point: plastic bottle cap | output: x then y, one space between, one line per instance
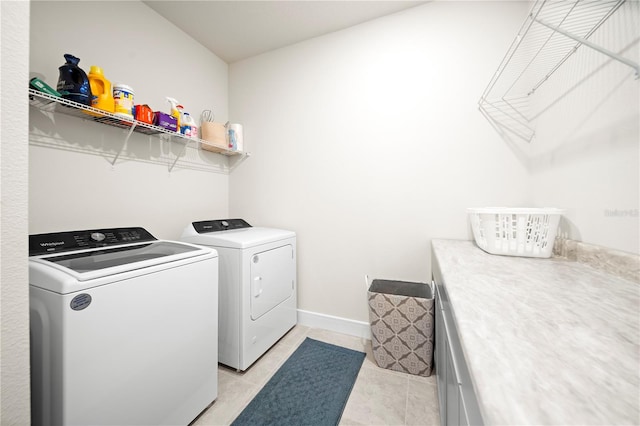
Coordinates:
120 86
95 70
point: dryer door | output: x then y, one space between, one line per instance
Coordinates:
272 279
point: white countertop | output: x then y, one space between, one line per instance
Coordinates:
547 341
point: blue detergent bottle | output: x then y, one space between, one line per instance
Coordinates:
73 83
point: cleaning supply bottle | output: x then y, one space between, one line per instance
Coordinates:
191 128
123 100
102 95
175 111
73 83
194 128
185 128
181 126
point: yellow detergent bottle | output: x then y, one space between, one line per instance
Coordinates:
100 90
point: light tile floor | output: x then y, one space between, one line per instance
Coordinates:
379 396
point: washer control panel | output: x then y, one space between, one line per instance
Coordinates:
206 226
56 242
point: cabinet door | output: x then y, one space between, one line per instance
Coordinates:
440 358
457 400
453 391
463 418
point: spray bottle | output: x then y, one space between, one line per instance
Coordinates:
175 111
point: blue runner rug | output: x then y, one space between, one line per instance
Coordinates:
311 388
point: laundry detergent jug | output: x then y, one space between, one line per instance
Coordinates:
102 95
73 83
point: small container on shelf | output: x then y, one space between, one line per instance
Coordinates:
101 92
123 97
40 85
144 114
216 136
73 83
189 127
165 121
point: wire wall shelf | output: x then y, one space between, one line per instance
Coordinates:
54 104
552 32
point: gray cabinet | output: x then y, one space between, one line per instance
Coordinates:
457 400
452 401
463 418
440 358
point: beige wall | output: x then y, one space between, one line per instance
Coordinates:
14 305
368 143
72 182
586 155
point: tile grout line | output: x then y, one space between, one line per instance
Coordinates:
406 402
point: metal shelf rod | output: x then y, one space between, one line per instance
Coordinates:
184 147
126 139
593 46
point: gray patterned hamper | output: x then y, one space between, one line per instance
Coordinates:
401 317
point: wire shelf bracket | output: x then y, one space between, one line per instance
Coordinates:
552 32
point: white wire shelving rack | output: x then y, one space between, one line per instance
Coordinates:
552 32
54 104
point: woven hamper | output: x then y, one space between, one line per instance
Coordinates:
401 317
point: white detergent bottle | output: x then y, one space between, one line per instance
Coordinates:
191 122
192 131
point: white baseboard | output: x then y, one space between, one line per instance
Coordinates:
337 324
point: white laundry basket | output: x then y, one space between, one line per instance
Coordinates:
527 232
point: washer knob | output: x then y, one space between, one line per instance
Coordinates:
97 236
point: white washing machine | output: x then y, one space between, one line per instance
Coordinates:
123 328
257 282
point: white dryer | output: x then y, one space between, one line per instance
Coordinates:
257 284
123 328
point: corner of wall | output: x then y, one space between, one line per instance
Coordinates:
14 355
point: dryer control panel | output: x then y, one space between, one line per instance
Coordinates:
206 226
56 242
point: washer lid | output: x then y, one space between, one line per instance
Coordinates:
90 264
236 238
88 261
